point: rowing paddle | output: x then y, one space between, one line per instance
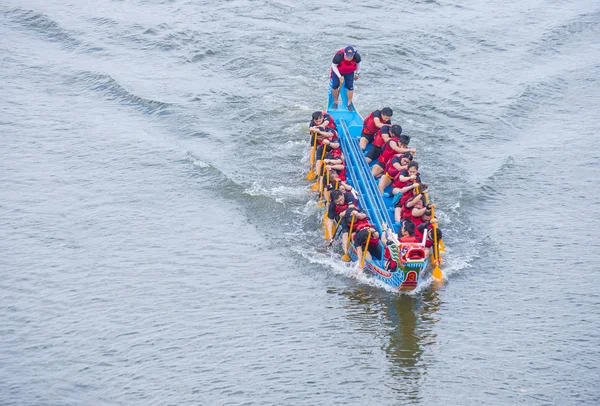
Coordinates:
313 153
335 232
437 272
325 218
364 254
346 257
322 191
320 178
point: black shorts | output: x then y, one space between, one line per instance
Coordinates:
369 137
335 219
374 152
320 151
360 239
380 164
345 226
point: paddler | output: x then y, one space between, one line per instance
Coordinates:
426 226
339 203
396 144
337 169
346 64
393 167
373 123
422 215
407 232
321 119
429 241
334 163
347 220
405 184
416 202
385 133
327 138
363 226
407 176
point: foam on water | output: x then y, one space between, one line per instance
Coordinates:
292 145
280 194
200 164
331 260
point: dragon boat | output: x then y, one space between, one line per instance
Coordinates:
407 262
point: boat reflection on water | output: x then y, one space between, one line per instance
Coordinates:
406 324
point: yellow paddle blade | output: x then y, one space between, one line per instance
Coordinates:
321 203
437 273
437 284
311 175
364 253
327 236
442 247
315 186
346 258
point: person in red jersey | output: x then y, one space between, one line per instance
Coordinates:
339 204
346 64
407 232
333 154
360 218
338 184
420 215
405 210
337 168
327 138
404 195
385 133
395 145
325 134
426 226
393 167
373 123
336 165
363 226
404 184
406 177
321 119
430 239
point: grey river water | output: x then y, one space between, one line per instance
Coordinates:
159 244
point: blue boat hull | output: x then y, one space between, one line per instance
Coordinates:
379 209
